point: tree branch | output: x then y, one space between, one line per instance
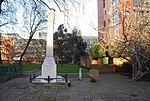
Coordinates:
1 1
135 53
58 6
3 24
47 5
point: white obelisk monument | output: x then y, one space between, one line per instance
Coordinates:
49 66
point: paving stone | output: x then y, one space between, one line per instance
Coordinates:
62 97
76 99
88 99
111 87
108 99
95 99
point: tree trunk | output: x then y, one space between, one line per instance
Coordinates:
0 57
72 59
23 53
1 1
57 59
139 68
0 48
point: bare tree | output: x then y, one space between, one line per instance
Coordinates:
34 20
1 1
136 39
139 47
0 48
8 14
7 17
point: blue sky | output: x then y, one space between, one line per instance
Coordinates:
83 16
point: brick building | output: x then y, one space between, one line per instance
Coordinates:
105 20
123 17
35 51
111 17
12 45
7 46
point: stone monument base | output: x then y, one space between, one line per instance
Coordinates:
49 68
40 81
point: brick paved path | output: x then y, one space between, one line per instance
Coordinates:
112 87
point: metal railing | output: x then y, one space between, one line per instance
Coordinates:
48 79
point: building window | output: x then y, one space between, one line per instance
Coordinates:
108 21
127 13
104 23
103 3
105 12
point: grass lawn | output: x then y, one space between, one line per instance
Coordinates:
60 69
70 69
31 67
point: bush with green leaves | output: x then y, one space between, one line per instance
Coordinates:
97 51
100 50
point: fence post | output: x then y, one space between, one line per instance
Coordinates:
48 79
30 79
34 76
66 78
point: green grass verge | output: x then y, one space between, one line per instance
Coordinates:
31 67
70 69
60 69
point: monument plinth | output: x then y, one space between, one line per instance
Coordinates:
49 66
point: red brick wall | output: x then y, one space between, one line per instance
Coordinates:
105 68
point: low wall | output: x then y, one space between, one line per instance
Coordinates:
105 68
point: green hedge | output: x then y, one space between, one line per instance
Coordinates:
9 71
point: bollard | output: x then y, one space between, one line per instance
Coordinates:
48 79
80 74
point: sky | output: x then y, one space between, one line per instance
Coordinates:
83 16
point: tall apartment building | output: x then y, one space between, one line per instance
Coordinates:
142 15
35 51
105 20
141 8
12 45
7 46
111 17
123 17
